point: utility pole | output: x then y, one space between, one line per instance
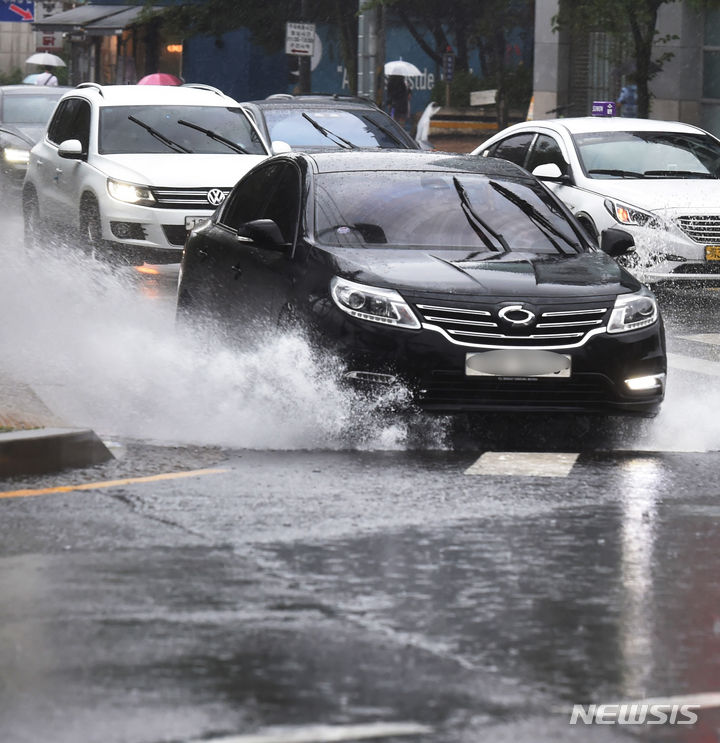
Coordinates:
367 51
304 70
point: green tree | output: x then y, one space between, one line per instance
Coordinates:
633 19
463 25
266 22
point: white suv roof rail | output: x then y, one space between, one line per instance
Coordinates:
97 87
202 86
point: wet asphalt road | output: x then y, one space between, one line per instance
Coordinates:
473 590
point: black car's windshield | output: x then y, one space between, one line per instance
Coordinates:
443 211
648 155
119 135
28 109
364 128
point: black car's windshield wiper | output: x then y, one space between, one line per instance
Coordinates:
543 223
330 135
385 131
214 135
676 174
481 228
161 137
615 171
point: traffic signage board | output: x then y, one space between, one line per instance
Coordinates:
603 108
300 39
448 66
17 10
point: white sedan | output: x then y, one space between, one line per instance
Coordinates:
656 179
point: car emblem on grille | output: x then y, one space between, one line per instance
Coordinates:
516 314
216 196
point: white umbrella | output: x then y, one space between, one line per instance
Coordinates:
401 67
45 59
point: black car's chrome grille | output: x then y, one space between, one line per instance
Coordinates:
186 198
703 229
447 389
484 327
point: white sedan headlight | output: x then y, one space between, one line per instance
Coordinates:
16 155
630 215
372 303
130 193
632 312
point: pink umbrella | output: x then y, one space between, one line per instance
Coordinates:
160 78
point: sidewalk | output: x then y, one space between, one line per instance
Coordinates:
34 440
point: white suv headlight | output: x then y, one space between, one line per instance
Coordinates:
130 193
372 303
630 215
633 311
16 156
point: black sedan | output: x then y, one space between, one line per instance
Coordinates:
464 279
24 113
322 122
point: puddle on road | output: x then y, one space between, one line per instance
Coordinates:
102 350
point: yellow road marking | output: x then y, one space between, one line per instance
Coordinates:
110 483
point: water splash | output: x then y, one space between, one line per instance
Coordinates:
104 354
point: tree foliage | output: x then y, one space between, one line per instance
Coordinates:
266 21
635 20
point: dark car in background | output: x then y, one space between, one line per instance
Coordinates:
24 113
321 122
465 279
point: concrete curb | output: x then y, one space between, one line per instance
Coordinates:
42 450
38 441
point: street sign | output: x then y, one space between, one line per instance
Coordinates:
17 10
300 39
603 108
448 66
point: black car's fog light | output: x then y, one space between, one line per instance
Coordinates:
372 303
646 383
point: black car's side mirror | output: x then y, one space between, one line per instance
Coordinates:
265 233
616 242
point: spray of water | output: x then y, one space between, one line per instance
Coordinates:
104 354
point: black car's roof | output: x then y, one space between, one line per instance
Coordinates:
352 161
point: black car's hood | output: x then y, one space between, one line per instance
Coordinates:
465 273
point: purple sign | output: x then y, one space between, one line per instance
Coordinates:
603 108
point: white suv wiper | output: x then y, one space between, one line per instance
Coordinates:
214 135
617 172
161 137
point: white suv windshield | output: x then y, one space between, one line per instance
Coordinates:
648 155
157 129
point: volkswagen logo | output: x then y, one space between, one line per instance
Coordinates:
516 314
216 196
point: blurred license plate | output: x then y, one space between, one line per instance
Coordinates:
712 252
517 363
190 222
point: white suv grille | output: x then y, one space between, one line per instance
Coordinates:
186 198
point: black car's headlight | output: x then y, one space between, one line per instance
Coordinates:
16 155
372 303
633 311
630 215
130 193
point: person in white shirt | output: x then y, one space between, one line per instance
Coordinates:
46 78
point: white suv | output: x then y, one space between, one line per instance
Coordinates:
127 170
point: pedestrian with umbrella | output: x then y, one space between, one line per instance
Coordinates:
398 90
48 62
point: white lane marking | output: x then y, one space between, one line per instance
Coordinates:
712 339
688 363
523 464
325 733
